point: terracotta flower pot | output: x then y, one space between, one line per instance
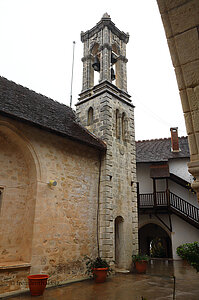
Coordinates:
100 274
141 266
37 284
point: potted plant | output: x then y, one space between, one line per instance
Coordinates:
97 268
190 253
37 284
140 262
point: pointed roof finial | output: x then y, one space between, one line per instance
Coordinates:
106 16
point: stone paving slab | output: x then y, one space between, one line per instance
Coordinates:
157 284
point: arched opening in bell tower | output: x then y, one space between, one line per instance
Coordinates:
95 76
114 64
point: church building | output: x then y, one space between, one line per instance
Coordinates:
68 179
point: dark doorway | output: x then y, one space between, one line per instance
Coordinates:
155 241
119 243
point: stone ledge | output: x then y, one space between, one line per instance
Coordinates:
14 265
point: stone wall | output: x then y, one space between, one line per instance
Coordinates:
118 176
60 221
181 23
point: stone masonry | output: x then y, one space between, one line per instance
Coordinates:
113 122
45 229
181 23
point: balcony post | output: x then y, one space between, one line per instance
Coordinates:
154 193
167 193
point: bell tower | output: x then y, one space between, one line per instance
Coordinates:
105 108
104 52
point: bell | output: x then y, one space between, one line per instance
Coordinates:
113 58
112 74
96 64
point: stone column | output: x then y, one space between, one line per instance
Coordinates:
105 57
88 76
181 23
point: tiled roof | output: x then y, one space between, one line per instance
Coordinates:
26 105
159 150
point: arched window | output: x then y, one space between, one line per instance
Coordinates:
124 126
90 116
117 124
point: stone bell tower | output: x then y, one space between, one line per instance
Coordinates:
106 110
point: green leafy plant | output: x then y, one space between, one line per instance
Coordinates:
190 253
96 263
140 257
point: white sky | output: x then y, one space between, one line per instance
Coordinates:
36 42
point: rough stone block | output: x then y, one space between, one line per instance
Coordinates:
191 73
184 100
195 120
173 51
193 98
192 144
180 78
187 46
165 5
167 25
184 17
188 122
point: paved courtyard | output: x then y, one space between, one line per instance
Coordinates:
156 284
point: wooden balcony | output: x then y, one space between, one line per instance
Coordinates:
168 202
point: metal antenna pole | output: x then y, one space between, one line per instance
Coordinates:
71 88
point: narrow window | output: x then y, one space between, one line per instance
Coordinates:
117 124
124 126
90 116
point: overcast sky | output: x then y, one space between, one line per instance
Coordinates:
36 43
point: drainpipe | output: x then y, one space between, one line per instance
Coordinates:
98 202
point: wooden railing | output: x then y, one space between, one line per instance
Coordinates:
148 200
184 207
172 201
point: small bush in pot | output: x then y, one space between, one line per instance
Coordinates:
140 261
97 268
190 253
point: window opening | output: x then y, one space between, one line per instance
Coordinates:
117 125
90 116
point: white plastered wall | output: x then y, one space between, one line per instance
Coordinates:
182 232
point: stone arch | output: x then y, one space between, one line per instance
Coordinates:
119 241
154 240
20 172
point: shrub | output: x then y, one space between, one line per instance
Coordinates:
140 257
190 252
